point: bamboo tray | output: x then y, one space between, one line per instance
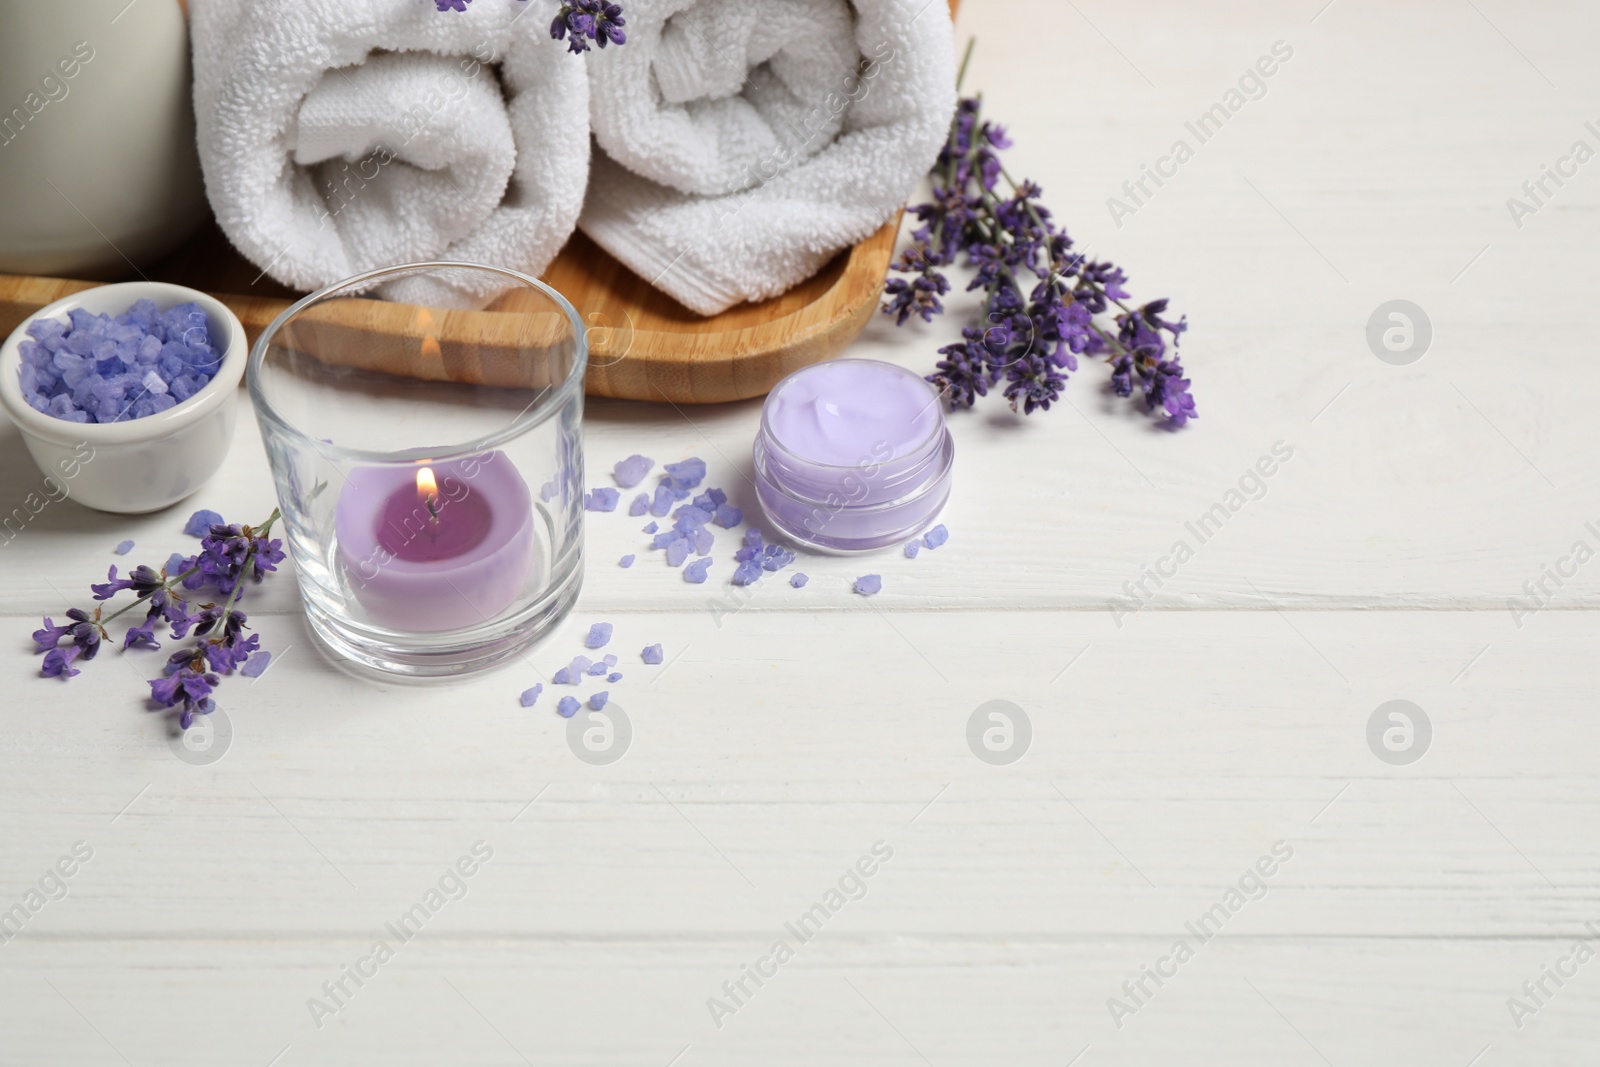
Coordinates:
643 345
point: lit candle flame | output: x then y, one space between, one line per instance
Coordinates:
428 491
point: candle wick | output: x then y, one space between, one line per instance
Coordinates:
432 503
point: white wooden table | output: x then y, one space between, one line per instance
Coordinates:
1170 749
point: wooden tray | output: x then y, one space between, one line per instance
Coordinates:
643 344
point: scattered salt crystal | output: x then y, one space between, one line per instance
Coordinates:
530 695
563 676
696 571
567 707
687 474
703 541
727 516
935 537
599 635
258 662
609 659
651 654
747 572
912 548
631 471
869 584
677 552
711 500
651 527
601 499
640 505
598 700
597 669
662 502
626 561
123 548
200 523
614 677
798 580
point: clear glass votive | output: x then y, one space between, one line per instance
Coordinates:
428 460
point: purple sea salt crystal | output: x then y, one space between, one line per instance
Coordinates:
798 580
747 572
696 571
530 696
689 517
776 557
651 527
640 505
599 635
601 499
200 523
912 548
678 551
687 474
935 537
869 584
631 471
609 659
651 654
98 369
662 502
666 538
597 670
257 664
563 676
727 516
626 561
567 707
597 701
703 541
123 548
614 677
711 500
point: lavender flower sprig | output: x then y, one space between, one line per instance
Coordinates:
579 22
229 558
1006 237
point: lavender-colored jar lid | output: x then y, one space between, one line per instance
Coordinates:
853 455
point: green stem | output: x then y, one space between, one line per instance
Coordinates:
961 76
263 530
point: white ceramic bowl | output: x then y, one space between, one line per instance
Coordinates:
142 464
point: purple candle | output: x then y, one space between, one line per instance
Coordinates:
853 455
436 547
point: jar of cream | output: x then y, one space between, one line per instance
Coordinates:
853 455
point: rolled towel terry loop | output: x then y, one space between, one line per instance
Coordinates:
341 137
711 245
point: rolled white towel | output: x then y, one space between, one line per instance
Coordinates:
341 137
745 142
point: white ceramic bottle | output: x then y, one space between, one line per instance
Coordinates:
98 169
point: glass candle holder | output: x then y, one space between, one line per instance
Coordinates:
853 455
428 458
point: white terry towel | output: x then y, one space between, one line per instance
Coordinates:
345 136
745 142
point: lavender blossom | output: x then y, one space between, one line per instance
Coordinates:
229 558
1041 299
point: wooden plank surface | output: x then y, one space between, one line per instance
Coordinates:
790 730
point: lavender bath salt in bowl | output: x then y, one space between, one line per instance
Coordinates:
176 421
